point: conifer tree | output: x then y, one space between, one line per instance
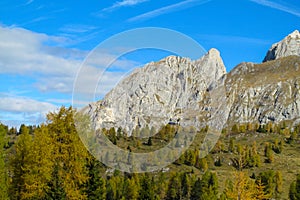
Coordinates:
69 154
38 172
241 189
19 160
3 167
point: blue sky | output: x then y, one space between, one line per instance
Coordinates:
43 43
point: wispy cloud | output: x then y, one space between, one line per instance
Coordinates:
123 3
168 9
77 28
278 6
29 2
233 39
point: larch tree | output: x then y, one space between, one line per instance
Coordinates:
242 188
38 173
69 155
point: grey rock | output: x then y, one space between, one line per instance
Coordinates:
290 45
199 93
168 91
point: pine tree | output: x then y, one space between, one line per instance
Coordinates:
3 168
294 192
174 190
19 160
209 186
186 186
96 185
147 188
131 189
196 192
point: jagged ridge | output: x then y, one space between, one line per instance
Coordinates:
200 92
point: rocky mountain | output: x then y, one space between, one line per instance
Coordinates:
267 92
168 91
198 93
287 47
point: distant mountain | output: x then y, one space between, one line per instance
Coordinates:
198 93
287 47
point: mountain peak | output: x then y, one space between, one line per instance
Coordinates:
295 34
290 45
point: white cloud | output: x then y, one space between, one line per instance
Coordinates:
23 104
168 9
43 58
123 3
16 110
277 6
50 67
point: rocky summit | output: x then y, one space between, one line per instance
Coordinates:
199 92
287 47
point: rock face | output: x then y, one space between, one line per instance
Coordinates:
199 93
168 91
261 93
289 46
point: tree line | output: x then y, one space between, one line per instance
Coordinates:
49 161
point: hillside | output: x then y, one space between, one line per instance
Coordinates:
201 93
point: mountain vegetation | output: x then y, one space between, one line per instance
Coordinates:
250 161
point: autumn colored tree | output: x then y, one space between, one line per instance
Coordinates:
3 167
38 172
242 187
69 155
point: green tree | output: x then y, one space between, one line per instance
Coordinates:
269 153
96 185
267 178
186 185
202 164
196 192
278 183
231 145
131 189
19 160
294 192
174 190
147 188
3 167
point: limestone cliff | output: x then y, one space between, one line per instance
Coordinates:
289 46
168 91
199 93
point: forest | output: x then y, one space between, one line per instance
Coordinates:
249 161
